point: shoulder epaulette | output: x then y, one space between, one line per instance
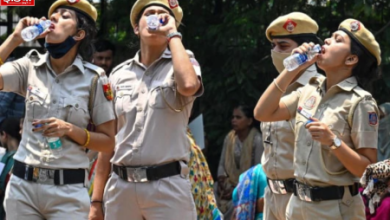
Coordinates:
121 65
96 69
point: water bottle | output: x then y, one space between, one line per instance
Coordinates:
153 22
55 145
292 62
31 32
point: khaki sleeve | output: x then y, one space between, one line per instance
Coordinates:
364 131
291 102
103 109
198 72
15 75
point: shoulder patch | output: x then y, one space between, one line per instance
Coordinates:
373 118
103 77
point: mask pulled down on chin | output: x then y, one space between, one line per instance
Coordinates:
277 59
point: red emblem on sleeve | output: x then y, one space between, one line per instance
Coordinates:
108 92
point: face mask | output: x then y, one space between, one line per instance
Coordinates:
59 50
277 59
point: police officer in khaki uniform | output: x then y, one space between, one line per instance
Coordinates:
336 124
285 33
154 93
63 93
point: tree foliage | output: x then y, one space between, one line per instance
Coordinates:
228 39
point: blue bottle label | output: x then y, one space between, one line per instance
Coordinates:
302 58
55 145
40 28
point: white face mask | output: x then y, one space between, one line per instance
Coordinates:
277 59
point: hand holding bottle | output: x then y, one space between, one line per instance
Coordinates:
27 22
302 57
163 24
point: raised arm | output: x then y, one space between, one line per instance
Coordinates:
15 39
269 107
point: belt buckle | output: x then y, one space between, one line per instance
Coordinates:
277 186
304 192
43 176
137 175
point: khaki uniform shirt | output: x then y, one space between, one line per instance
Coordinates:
149 131
64 96
277 159
315 164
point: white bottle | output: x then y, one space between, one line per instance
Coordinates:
153 22
31 32
55 145
292 62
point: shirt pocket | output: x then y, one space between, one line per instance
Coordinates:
76 111
337 125
36 107
123 101
163 96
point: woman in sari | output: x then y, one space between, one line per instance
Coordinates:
202 184
248 196
242 149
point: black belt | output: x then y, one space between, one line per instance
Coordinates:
281 186
146 174
48 176
316 194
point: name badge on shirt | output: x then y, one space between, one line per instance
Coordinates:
37 92
304 113
123 87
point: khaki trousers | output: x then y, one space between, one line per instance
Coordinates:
26 200
348 208
275 205
165 199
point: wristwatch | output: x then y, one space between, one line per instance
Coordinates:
336 143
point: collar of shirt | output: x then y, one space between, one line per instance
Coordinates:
346 85
44 59
165 55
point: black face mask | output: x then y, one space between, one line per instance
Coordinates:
59 50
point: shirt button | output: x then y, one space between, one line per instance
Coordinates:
143 91
139 128
139 108
308 143
31 98
57 81
77 105
54 101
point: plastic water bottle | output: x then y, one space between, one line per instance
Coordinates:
31 32
153 22
292 62
55 145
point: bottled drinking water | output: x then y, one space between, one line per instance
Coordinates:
153 22
292 62
55 145
31 32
